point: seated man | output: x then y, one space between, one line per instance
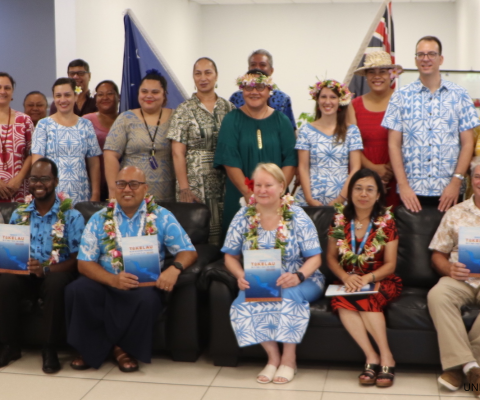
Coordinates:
459 349
103 312
50 271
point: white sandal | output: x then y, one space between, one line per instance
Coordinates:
285 372
268 372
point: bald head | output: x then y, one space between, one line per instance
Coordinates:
130 198
130 173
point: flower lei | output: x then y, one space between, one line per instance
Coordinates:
286 215
253 79
58 228
110 227
342 89
345 249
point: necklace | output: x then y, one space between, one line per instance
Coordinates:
358 224
259 131
281 235
114 236
4 149
153 161
59 242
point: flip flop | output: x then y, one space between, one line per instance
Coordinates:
285 372
268 372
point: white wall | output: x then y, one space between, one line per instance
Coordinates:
173 25
309 40
306 40
468 17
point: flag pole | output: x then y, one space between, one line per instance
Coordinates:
366 41
156 52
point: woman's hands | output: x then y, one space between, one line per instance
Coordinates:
355 282
187 196
243 283
314 203
287 280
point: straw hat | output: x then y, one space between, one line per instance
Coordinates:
378 59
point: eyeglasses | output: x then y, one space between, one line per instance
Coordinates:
359 190
71 74
259 86
134 185
431 55
43 179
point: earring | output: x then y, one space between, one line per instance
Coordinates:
216 85
195 87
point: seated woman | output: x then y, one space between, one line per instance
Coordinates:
270 221
362 248
329 150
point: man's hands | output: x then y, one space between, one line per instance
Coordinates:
409 198
450 194
35 268
125 281
168 279
459 271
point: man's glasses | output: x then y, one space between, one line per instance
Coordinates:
431 55
71 74
259 86
134 185
43 179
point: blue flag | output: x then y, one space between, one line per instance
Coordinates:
139 56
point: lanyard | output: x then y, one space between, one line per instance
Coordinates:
354 238
148 130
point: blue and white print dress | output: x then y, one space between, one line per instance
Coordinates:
281 321
68 146
329 161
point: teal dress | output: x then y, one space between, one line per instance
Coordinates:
237 146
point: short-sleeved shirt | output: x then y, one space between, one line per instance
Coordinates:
41 240
68 146
329 161
170 235
279 101
431 125
302 241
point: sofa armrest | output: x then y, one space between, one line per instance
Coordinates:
217 272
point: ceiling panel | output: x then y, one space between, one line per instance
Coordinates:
231 2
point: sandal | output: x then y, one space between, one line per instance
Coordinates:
79 364
268 372
123 359
386 373
285 372
371 371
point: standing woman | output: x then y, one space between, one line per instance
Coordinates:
194 133
69 140
35 105
369 109
252 134
16 131
139 137
362 248
106 100
327 148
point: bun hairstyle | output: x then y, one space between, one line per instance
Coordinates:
65 81
155 75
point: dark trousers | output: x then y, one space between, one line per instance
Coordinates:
51 289
100 317
434 200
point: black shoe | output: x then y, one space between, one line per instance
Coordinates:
50 361
8 354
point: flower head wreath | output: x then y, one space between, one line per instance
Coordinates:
342 89
253 79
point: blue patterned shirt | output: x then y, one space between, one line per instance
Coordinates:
431 125
278 100
302 241
170 235
41 231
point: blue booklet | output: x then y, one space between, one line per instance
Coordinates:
262 269
469 249
141 258
340 290
14 249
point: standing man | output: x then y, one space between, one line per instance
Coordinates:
80 71
431 139
262 60
51 270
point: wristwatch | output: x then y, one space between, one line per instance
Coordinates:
300 276
459 176
178 266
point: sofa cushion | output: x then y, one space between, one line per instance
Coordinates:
409 310
7 210
415 232
194 217
321 314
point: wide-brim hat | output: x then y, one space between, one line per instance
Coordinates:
378 59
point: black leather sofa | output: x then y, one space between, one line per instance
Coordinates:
178 330
410 330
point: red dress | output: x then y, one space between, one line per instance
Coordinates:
390 286
375 143
17 139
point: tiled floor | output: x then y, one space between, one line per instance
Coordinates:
165 379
